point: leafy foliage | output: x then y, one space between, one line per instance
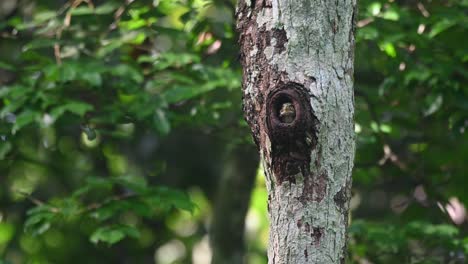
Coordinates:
411 121
414 242
137 197
95 87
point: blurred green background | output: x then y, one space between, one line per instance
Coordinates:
119 121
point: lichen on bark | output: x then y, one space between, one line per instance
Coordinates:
309 45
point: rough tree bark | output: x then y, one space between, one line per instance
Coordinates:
297 59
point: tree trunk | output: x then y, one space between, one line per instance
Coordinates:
297 59
231 205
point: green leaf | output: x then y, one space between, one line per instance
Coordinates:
178 199
374 8
68 72
93 183
440 27
391 14
106 8
161 122
111 208
113 234
103 9
5 148
367 33
93 78
389 49
77 108
181 93
108 46
441 230
39 219
435 103
25 118
127 71
135 183
168 59
40 43
44 16
82 10
6 66
7 231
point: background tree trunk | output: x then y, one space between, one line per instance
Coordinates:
231 205
298 100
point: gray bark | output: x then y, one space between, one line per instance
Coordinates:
299 55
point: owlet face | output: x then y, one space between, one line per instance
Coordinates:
287 113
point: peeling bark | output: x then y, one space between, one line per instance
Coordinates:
297 59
